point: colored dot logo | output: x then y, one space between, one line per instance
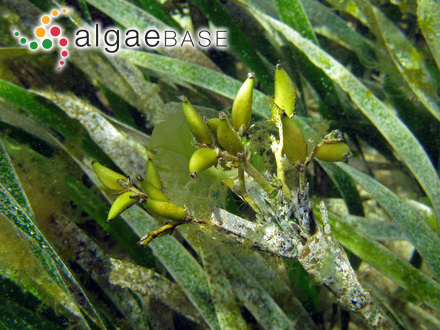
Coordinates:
48 35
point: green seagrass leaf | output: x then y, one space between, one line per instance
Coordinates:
424 239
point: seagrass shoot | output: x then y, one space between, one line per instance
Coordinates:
285 223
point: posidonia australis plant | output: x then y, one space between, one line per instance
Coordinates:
285 223
223 188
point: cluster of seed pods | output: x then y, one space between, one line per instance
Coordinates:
215 138
229 135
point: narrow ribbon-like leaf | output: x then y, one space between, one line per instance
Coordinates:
425 240
269 316
217 13
378 229
196 75
428 16
346 188
131 16
293 14
185 270
15 207
52 116
390 265
27 308
8 52
326 22
405 57
228 311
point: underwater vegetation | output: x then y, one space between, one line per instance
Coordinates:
288 180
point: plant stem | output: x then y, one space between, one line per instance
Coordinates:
243 191
278 152
253 172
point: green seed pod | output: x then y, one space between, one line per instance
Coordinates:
213 126
108 177
165 209
295 147
333 152
121 203
227 137
285 94
201 160
152 191
242 106
153 176
196 124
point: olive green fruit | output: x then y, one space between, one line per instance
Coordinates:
295 147
242 106
201 160
123 202
227 137
108 177
285 94
167 210
152 191
333 152
153 176
196 124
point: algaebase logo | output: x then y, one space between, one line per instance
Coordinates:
48 36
